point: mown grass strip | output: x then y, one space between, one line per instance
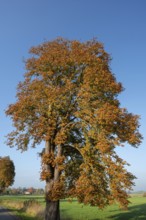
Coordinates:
76 211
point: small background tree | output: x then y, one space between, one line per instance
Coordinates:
69 101
7 173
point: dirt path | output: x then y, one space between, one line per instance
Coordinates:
7 215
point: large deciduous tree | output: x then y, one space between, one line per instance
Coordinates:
7 173
68 100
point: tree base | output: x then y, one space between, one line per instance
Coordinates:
52 211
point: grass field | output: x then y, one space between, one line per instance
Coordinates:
75 211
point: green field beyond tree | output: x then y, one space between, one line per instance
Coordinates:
76 211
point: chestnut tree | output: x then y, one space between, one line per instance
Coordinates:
69 101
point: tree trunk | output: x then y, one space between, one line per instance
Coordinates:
52 211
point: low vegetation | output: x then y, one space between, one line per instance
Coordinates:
32 208
144 194
28 208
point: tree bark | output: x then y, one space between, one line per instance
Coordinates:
52 210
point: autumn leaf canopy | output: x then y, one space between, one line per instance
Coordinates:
69 98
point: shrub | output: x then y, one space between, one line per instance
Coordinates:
144 195
33 207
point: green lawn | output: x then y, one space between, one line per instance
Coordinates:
75 211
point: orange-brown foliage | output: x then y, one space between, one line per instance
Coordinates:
68 99
7 172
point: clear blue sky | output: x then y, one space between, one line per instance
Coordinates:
119 24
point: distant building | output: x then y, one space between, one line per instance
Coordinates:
27 193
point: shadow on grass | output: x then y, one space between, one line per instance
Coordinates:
64 215
137 212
